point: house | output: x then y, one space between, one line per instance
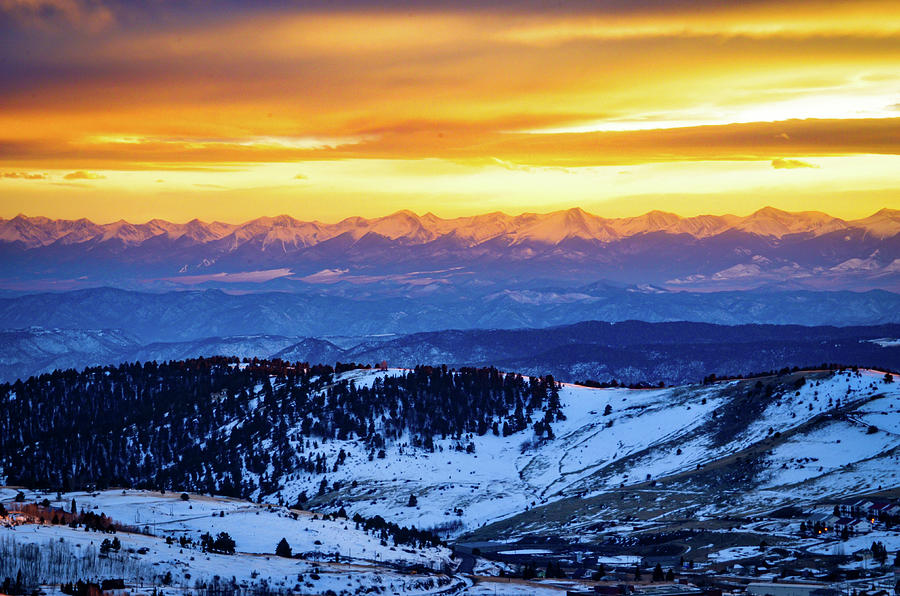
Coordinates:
764 589
827 520
843 523
853 525
861 506
582 573
668 590
879 510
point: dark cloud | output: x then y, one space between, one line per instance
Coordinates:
87 15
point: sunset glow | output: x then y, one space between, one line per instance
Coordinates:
327 110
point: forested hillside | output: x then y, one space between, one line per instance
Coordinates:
450 450
200 424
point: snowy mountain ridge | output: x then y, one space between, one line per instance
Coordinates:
283 231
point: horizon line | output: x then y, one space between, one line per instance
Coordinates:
406 211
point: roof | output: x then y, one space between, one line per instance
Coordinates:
768 584
822 516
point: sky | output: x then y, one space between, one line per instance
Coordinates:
323 110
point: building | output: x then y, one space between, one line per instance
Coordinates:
762 589
827 520
853 525
861 507
878 510
479 548
668 590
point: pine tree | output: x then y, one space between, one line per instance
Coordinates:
283 549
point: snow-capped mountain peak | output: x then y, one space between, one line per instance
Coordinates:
547 228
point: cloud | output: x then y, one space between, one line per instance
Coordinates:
83 175
487 143
781 163
91 16
508 165
24 175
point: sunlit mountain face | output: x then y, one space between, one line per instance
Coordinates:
229 111
485 254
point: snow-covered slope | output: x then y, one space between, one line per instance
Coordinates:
701 451
330 556
334 554
784 424
256 528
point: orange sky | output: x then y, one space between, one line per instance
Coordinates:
324 110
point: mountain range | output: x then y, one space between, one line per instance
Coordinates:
285 233
428 253
627 352
190 315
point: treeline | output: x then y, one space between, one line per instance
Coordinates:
713 378
829 366
88 520
410 536
217 425
26 566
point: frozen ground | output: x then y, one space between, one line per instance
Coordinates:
365 564
690 453
256 528
188 566
818 432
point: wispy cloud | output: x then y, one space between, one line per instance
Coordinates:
91 16
83 175
24 175
781 163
